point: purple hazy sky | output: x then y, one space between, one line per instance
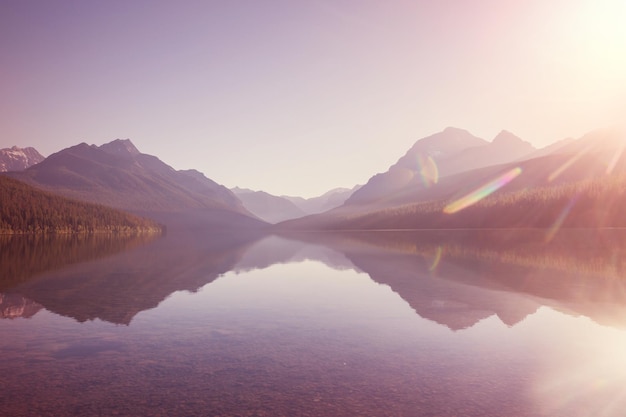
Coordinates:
298 97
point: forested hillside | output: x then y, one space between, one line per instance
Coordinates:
25 210
597 202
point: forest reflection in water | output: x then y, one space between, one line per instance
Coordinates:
365 323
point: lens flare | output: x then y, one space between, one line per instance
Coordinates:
428 170
482 192
556 226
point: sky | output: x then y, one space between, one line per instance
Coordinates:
299 97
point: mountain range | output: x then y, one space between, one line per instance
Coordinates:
449 179
580 183
118 175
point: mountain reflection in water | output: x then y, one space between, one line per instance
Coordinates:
127 275
472 323
579 272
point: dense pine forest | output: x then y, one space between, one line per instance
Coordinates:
26 210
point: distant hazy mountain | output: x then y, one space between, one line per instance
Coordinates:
268 207
118 175
275 209
327 201
18 159
440 155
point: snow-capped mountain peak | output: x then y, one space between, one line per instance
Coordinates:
18 159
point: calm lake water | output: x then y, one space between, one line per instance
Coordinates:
494 323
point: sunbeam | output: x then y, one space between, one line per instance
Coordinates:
556 173
615 158
556 226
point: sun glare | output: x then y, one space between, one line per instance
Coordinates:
601 34
583 382
605 20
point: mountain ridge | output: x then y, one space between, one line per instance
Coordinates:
118 175
439 155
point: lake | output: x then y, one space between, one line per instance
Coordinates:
448 323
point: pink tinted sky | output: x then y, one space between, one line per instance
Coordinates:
297 97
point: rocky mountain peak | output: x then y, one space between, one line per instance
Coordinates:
120 147
506 136
507 141
18 159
